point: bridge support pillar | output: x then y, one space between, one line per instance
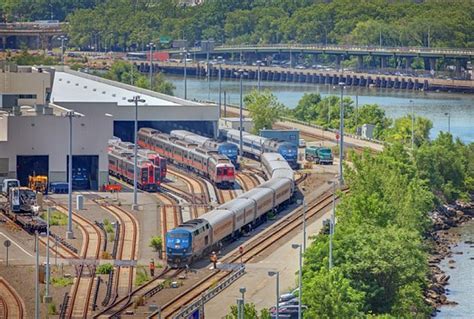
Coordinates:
383 62
338 62
408 62
360 62
4 42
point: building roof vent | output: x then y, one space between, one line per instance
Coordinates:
47 110
103 92
94 90
68 82
85 86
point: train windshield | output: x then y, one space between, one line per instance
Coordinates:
177 240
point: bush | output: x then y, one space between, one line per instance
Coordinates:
142 276
156 243
104 269
61 281
55 219
52 309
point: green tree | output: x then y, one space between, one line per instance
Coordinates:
370 114
402 130
329 295
156 242
264 109
447 166
307 108
249 312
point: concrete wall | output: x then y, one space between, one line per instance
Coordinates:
49 135
23 82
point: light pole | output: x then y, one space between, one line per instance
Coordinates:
47 298
69 233
258 77
185 55
412 125
239 308
449 121
62 38
37 305
300 291
299 202
135 100
277 274
332 221
242 292
220 99
151 45
241 73
341 133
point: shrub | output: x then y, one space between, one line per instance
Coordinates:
104 269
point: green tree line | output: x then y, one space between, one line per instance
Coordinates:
125 72
130 24
380 245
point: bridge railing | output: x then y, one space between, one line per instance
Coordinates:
31 26
469 51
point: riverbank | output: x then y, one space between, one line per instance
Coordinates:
446 237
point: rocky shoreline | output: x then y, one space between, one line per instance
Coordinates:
444 218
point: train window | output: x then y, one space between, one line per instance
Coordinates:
144 173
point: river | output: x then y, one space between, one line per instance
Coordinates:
461 282
396 103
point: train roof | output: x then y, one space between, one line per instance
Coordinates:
217 216
148 130
272 157
237 203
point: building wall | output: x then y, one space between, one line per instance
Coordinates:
234 123
26 83
49 135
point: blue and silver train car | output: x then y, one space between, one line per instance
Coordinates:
198 237
256 145
224 148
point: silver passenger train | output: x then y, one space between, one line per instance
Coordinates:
198 237
216 167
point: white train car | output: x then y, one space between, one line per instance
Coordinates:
230 219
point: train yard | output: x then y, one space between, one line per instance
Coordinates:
173 191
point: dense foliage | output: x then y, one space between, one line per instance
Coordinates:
326 112
125 72
124 24
380 254
249 312
264 109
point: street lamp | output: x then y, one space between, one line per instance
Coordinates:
277 274
412 125
449 121
220 96
341 133
298 246
135 100
151 45
47 298
70 114
332 221
299 202
62 38
242 291
241 74
185 55
239 308
258 77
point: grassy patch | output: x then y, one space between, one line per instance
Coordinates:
104 269
55 218
142 276
61 281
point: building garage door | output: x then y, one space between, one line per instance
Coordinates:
85 172
30 165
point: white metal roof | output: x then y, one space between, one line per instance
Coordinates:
69 87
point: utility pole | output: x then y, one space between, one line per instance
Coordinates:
412 125
135 100
151 45
341 133
37 305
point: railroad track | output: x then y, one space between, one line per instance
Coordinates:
81 291
146 291
259 243
168 207
11 305
127 248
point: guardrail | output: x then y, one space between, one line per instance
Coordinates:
101 226
63 242
63 307
108 291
